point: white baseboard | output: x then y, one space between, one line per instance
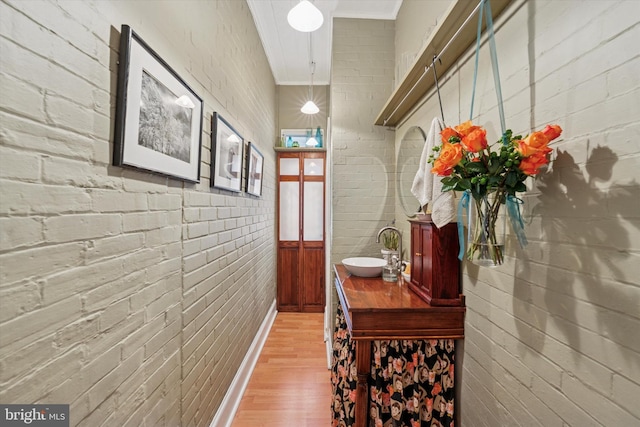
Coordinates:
329 353
327 337
229 406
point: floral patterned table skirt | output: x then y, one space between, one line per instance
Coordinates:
411 381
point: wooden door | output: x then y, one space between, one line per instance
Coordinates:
301 231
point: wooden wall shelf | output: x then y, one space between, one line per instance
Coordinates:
298 149
404 98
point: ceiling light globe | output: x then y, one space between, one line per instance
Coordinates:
305 17
310 108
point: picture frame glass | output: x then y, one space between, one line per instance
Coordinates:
255 165
228 154
159 118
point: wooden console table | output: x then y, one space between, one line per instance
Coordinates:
376 310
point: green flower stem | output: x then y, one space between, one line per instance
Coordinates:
485 242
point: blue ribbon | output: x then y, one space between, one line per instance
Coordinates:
513 203
463 204
486 8
513 209
494 62
475 70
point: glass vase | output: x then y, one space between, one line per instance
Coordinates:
486 232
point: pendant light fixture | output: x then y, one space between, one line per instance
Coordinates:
305 17
310 107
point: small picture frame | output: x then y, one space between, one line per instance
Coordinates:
255 162
158 122
228 152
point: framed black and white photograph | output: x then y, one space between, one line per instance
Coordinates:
158 124
227 148
255 160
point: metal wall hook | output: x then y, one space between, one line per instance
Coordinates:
435 75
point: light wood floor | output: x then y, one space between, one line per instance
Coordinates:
291 385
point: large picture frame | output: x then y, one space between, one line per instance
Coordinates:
255 162
227 149
158 123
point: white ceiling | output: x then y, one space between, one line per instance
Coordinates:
288 50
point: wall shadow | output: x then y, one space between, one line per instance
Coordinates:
585 242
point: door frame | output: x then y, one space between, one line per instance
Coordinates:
328 226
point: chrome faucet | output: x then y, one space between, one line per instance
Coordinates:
395 230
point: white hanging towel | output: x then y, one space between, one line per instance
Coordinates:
427 187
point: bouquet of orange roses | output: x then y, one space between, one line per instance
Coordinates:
468 163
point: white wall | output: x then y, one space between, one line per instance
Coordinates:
363 176
132 297
418 18
552 336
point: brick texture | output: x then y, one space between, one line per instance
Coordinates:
130 296
363 164
552 335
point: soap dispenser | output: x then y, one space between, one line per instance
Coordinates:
390 271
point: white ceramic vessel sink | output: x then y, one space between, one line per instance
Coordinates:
364 266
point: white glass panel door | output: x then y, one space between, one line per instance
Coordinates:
289 166
313 166
289 215
313 211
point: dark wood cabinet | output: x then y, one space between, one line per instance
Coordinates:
376 310
301 251
435 268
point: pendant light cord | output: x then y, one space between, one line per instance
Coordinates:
312 68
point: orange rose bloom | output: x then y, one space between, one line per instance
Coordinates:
532 144
552 131
464 128
537 140
475 140
524 149
448 133
450 156
531 165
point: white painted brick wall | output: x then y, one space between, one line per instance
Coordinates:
363 167
125 294
552 335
